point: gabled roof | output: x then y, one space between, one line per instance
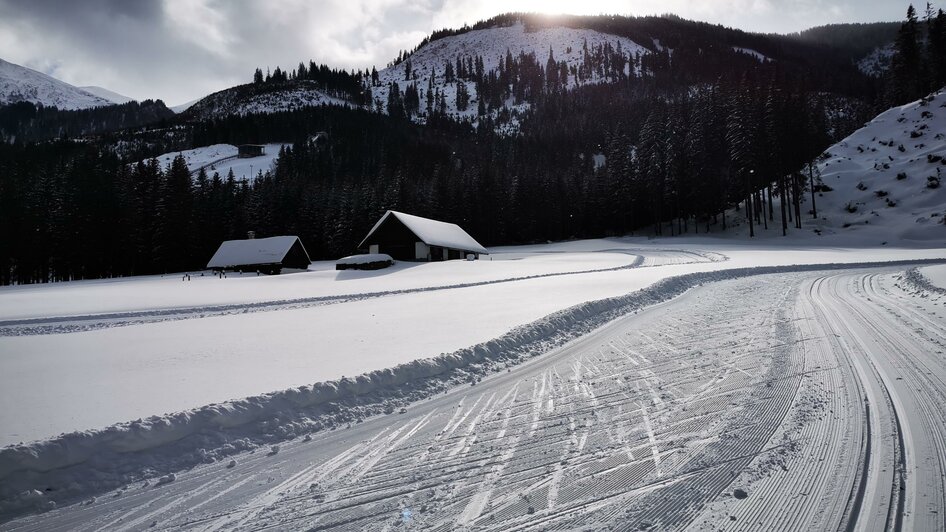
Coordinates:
432 232
270 250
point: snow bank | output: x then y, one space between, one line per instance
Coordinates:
82 463
368 261
920 282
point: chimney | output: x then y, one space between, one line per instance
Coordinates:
250 235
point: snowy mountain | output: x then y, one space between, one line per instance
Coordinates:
184 106
450 68
426 67
111 96
19 84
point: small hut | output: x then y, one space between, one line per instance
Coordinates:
245 151
264 255
408 237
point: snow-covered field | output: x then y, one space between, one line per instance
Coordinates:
222 158
751 402
82 356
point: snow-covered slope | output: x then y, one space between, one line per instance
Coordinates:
244 99
111 96
566 44
221 158
19 84
886 177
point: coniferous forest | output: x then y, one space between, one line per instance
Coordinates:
662 152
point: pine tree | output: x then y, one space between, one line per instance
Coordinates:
936 50
905 81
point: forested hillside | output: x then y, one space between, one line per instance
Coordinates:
598 140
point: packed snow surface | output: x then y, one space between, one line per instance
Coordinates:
222 158
269 250
727 401
21 84
432 232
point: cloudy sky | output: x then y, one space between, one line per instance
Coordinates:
180 50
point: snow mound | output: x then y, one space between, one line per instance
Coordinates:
929 280
366 258
21 84
368 261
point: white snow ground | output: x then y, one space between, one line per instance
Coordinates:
221 158
740 404
260 342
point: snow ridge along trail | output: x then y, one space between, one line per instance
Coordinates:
788 400
639 394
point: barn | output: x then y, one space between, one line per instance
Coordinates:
265 255
408 237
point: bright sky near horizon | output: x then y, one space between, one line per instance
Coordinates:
180 50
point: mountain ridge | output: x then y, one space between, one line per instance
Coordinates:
19 83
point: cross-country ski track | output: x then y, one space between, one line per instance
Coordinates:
809 400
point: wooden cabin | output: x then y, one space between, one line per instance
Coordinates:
413 238
264 255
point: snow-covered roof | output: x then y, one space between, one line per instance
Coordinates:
270 250
432 232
